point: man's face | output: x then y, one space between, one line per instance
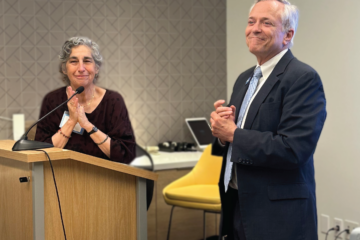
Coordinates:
264 35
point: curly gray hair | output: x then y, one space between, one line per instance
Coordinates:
66 51
289 17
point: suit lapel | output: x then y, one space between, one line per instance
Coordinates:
266 88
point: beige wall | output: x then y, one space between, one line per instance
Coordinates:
327 39
166 57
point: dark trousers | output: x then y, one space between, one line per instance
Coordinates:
236 231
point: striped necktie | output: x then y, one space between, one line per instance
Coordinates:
249 93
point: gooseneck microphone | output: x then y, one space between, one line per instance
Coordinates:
24 144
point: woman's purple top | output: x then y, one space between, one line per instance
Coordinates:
110 116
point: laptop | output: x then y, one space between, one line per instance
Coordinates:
200 130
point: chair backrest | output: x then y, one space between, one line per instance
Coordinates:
207 170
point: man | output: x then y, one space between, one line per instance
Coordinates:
268 134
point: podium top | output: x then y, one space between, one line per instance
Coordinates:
55 154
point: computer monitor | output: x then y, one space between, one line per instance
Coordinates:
200 130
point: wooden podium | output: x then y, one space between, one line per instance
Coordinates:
100 199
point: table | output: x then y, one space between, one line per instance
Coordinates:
168 160
187 223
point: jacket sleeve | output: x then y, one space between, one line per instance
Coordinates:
293 143
217 149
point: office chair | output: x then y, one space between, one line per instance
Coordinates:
149 183
198 189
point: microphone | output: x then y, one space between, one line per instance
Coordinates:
24 144
78 91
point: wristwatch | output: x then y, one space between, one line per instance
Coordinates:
94 129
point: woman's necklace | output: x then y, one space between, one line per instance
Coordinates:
88 104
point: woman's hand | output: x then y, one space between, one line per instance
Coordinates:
76 111
83 120
72 106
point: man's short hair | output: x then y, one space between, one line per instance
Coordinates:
289 17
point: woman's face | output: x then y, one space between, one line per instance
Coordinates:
81 68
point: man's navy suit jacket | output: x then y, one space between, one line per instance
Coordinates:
274 154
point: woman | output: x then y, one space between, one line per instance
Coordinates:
95 122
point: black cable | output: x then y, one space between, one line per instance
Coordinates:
57 193
346 230
337 228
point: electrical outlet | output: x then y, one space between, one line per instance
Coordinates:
325 224
340 223
351 226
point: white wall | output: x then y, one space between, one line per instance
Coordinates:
328 39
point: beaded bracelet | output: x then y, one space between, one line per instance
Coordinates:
107 136
64 134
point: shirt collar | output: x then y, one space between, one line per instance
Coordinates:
269 66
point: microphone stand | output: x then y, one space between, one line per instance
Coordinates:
24 144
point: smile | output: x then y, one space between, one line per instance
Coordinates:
257 38
82 76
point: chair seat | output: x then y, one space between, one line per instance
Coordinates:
208 194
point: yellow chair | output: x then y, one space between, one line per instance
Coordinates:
198 189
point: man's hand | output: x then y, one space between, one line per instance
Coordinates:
225 112
222 128
223 122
